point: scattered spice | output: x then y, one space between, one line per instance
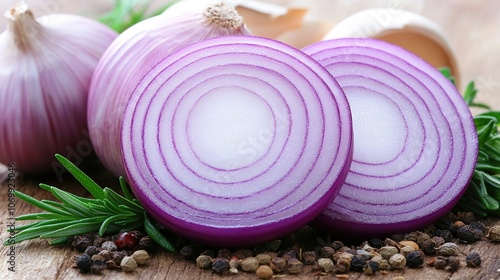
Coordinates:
278 264
204 262
264 272
473 259
141 257
494 233
397 261
453 263
448 249
294 266
109 246
126 241
128 264
441 262
326 264
84 263
415 259
220 265
249 264
98 266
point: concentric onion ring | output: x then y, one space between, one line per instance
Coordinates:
415 144
236 140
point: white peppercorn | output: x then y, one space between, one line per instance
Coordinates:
494 233
388 251
448 249
326 264
397 261
249 264
141 257
128 264
264 272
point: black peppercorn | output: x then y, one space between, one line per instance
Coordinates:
358 263
146 243
243 253
309 257
466 217
415 259
376 243
278 264
98 266
453 263
118 256
289 254
81 242
473 259
84 263
445 234
371 267
326 252
91 250
188 252
337 245
220 265
208 253
441 262
224 254
480 226
468 234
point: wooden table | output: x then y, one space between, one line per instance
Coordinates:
471 27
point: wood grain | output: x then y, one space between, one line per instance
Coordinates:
471 27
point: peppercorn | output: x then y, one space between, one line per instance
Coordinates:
112 265
390 242
118 256
343 265
188 252
494 233
138 234
468 234
448 249
388 251
357 263
412 236
243 253
249 264
84 263
294 266
337 245
384 265
405 250
326 264
264 272
204 262
376 243
480 226
141 257
362 253
128 264
309 257
453 263
397 261
126 241
98 240
220 265
278 264
289 254
368 248
466 217
415 259
108 246
81 242
370 267
224 254
107 255
441 262
96 257
408 243
446 235
422 237
91 250
326 252
473 259
208 253
146 243
98 266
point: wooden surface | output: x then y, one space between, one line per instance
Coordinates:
471 27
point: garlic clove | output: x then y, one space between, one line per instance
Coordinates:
269 20
409 30
45 69
135 52
311 31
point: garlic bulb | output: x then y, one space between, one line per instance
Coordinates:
135 52
408 30
46 65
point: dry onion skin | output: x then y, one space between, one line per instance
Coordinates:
415 144
135 52
236 140
47 64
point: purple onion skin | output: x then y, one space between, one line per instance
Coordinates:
361 216
144 180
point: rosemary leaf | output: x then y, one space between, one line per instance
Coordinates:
42 205
156 235
92 187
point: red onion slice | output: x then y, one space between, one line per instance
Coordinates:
415 144
236 140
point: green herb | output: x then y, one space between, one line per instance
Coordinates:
106 213
126 13
483 193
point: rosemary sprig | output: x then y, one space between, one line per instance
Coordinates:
106 213
126 13
483 193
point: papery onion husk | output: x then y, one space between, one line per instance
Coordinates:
134 53
236 140
415 144
46 65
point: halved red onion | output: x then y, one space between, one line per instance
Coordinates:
415 144
236 140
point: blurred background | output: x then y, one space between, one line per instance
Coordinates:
470 26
